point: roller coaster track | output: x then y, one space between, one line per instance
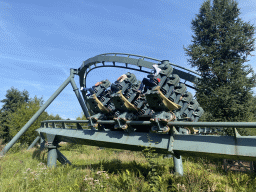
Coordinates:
130 60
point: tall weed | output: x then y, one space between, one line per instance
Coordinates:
114 170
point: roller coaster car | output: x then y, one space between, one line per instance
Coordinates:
184 102
158 102
123 97
172 81
156 97
101 88
100 92
124 85
166 101
193 108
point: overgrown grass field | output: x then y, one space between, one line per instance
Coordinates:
95 169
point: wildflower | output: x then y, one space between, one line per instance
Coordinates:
44 168
40 164
99 172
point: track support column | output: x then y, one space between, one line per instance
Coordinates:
34 143
177 159
53 153
78 95
178 166
52 150
52 156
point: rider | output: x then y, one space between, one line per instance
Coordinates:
150 82
91 89
114 87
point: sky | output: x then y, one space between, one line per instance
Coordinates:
41 40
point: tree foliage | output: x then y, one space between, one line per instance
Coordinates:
16 111
22 115
52 117
13 100
82 117
220 47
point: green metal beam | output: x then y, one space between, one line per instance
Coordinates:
229 147
110 139
62 159
34 142
173 123
81 102
243 147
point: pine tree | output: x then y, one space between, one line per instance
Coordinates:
219 50
14 99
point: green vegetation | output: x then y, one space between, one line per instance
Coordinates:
220 47
16 111
14 99
219 50
94 169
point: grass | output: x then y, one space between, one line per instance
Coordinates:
95 169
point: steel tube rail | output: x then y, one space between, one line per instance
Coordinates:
65 121
35 116
145 57
94 62
215 124
173 123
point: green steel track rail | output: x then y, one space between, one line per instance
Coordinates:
132 62
172 123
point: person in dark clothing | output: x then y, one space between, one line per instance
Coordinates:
91 89
149 82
